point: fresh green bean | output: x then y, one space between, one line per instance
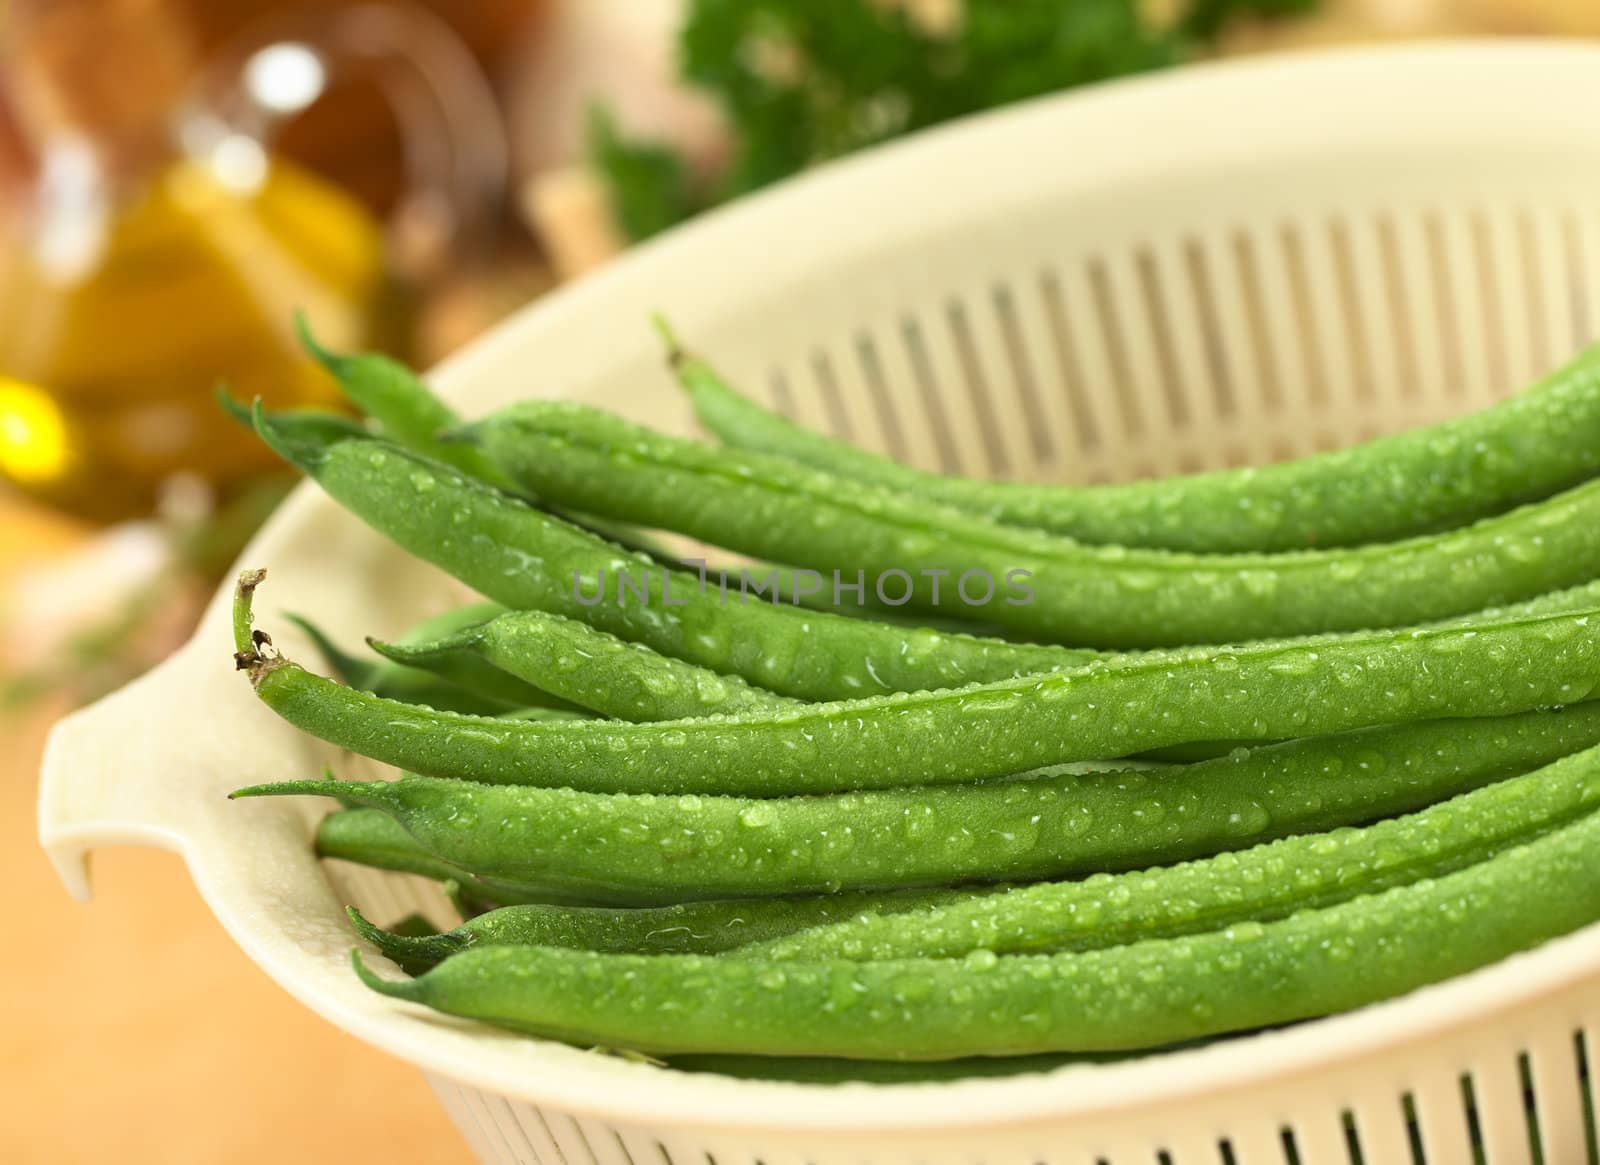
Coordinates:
681 928
1105 709
406 410
950 562
368 837
469 672
647 849
1259 884
524 558
1543 441
412 928
805 654
469 686
589 668
1148 994
372 838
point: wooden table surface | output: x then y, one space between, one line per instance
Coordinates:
133 1030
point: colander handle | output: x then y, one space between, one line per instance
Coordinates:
119 771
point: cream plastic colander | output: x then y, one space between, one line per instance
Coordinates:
1224 264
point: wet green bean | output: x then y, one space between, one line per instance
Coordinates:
1148 994
368 837
948 562
644 849
1259 884
524 558
1540 442
681 928
1105 709
588 668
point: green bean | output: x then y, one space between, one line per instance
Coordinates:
315 424
1105 709
473 687
1263 883
1042 584
1148 994
1540 442
799 653
643 849
411 415
406 410
469 672
524 558
681 928
589 668
412 928
370 838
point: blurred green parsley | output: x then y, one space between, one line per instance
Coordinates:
801 81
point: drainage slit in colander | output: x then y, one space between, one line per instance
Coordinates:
1354 333
1352 1139
1022 374
1413 1127
1120 385
592 1152
1303 313
1538 311
1069 370
837 417
894 434
779 395
1469 1106
507 1128
933 408
1381 1133
981 390
1270 385
542 1143
1214 350
1397 306
1577 293
1589 231
1589 1090
1445 299
476 1105
1491 322
1159 313
1532 1122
